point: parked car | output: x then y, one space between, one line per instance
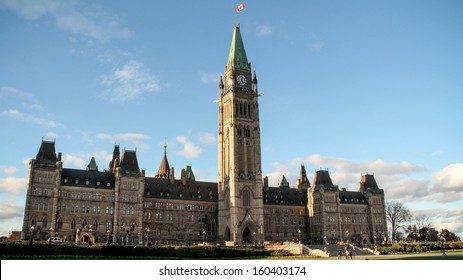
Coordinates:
3 238
55 240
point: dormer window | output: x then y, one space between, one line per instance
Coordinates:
98 183
65 180
76 181
108 184
87 182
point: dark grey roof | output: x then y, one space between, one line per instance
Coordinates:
322 180
192 190
129 162
87 179
47 153
349 197
284 196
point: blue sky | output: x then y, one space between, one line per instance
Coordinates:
349 86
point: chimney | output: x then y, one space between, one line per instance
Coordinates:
172 176
266 182
183 176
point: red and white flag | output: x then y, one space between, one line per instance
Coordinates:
240 7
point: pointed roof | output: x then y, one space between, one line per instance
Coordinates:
164 169
189 173
368 183
322 177
115 160
303 176
47 153
237 56
129 162
283 182
92 165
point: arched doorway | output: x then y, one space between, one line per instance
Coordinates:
247 237
227 234
85 239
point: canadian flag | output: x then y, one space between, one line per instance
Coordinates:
240 7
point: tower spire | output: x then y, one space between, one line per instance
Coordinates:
237 56
164 169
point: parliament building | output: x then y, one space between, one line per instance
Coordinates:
122 205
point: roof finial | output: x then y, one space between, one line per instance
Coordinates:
165 145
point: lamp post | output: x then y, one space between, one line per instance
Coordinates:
108 232
90 231
122 231
324 240
32 235
374 240
204 237
51 233
348 233
300 236
147 230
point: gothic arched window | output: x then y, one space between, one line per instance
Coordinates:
246 198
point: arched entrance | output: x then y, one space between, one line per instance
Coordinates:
247 236
227 234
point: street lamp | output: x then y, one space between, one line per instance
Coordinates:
32 235
147 230
348 233
324 240
204 237
374 240
108 232
300 235
254 238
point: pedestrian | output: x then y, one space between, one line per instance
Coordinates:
339 254
347 254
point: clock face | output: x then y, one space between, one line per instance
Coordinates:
241 80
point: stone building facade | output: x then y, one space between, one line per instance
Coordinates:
122 205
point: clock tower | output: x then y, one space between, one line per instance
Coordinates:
240 176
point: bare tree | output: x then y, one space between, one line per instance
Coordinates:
423 220
397 214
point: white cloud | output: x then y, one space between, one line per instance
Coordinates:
13 186
32 106
136 139
210 78
402 181
30 118
73 161
129 82
449 179
190 150
51 134
10 170
379 166
207 138
14 92
10 210
91 20
264 30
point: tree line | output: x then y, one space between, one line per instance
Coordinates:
414 228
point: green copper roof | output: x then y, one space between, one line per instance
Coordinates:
283 183
92 165
189 173
237 55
